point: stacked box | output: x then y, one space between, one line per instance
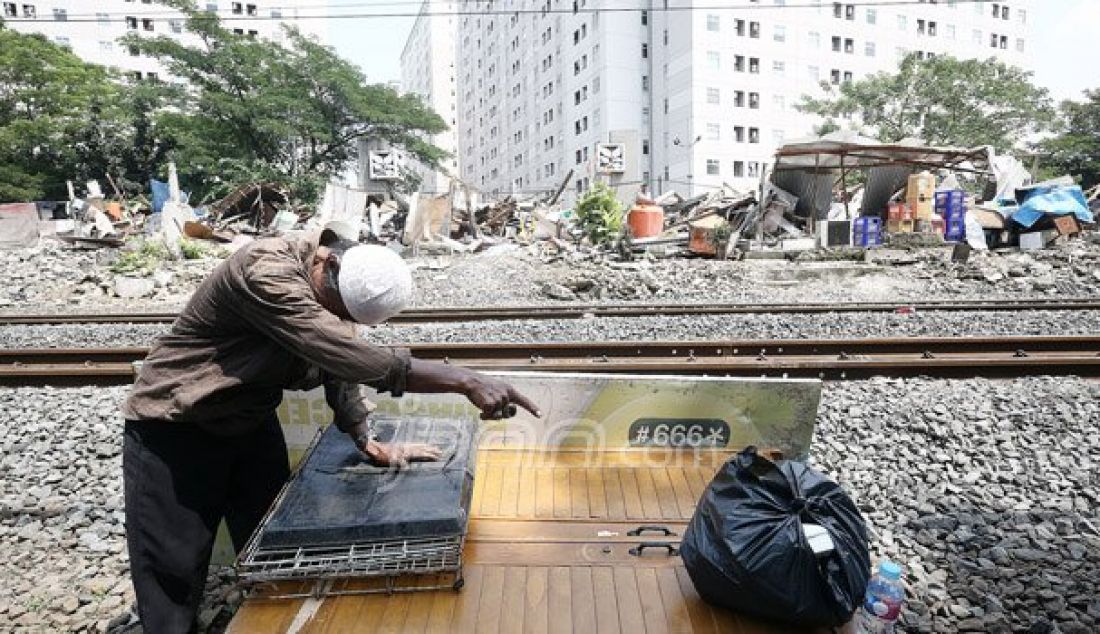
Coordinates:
899 211
899 226
866 232
951 205
920 195
954 230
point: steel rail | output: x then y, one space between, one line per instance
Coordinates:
578 311
827 359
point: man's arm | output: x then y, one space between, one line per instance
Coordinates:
491 396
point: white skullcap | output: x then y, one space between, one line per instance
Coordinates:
375 283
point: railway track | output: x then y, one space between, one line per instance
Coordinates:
578 311
826 359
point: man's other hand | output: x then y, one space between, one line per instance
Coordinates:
396 454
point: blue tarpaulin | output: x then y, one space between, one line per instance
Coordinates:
160 194
1054 200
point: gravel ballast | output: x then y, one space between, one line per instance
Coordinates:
646 328
50 277
986 491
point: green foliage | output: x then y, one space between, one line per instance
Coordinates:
143 259
53 114
940 100
600 215
294 113
192 250
1076 148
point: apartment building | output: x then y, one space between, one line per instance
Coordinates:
699 95
92 29
428 70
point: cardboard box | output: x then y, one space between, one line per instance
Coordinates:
899 226
920 195
1067 225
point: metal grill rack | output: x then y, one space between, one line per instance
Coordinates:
406 562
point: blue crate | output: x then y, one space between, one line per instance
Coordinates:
950 198
866 238
953 215
867 224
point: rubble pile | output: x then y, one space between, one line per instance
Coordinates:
52 276
986 491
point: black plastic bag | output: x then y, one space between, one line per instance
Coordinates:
745 549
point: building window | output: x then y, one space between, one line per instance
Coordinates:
754 100
754 29
739 133
60 15
102 18
777 137
869 49
903 23
754 65
780 34
250 9
815 39
645 50
712 22
61 40
29 11
836 43
1023 15
872 16
739 98
1020 44
739 63
645 18
714 132
11 11
712 167
713 96
106 46
738 169
739 28
779 102
131 22
237 8
645 83
814 72
645 146
714 60
754 169
849 46
176 26
949 31
834 75
276 14
147 24
212 7
779 68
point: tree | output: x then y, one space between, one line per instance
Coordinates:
256 106
942 101
1076 148
55 111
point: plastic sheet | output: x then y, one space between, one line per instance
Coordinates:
339 497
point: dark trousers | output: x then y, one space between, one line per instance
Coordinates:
180 481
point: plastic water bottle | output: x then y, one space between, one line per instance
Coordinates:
882 603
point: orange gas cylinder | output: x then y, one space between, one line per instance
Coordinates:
646 221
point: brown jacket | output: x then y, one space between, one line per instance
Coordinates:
252 329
